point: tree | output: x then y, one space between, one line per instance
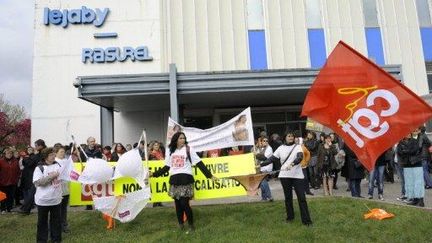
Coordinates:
14 126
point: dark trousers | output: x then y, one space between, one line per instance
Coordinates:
182 206
7 204
306 179
54 223
354 185
28 199
63 211
298 184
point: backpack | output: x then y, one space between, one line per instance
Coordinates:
306 157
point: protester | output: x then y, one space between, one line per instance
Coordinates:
337 143
399 164
262 152
91 150
312 145
155 152
9 176
62 161
377 174
327 164
424 145
290 155
30 164
128 147
106 153
179 161
355 171
410 156
119 149
48 197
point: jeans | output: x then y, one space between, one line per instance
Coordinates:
427 179
265 190
377 174
314 176
28 199
400 171
354 185
54 223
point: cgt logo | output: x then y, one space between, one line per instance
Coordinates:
96 190
367 121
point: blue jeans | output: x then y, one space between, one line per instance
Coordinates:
265 190
355 189
377 174
402 177
427 179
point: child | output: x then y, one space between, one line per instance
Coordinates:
48 196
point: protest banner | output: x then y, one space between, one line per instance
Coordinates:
221 167
236 132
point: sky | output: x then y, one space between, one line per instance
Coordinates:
16 51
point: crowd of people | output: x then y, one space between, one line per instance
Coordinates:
28 177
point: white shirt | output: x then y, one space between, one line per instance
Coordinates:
267 153
178 161
51 194
282 153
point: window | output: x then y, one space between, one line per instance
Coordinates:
316 38
257 50
374 45
370 13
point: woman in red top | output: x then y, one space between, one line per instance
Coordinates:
156 152
9 176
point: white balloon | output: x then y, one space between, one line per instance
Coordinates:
96 171
129 164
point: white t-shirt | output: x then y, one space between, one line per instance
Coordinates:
51 194
267 153
282 153
178 161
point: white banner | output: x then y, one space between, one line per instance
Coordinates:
236 132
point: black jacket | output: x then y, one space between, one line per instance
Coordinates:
351 163
312 145
409 153
30 165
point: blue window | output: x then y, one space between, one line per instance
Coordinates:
374 45
317 48
257 49
426 37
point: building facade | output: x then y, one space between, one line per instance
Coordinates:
110 69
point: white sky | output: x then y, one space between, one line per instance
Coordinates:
16 51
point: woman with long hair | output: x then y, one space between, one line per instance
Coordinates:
119 150
179 160
291 175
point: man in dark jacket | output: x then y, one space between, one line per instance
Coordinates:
30 165
355 171
92 151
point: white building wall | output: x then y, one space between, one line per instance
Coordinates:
202 35
402 42
57 62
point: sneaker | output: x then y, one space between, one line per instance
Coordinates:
380 197
309 193
401 198
3 212
270 199
370 197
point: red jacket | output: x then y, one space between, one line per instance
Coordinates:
9 172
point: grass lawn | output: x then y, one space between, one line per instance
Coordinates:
335 220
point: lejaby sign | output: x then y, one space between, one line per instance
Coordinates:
83 15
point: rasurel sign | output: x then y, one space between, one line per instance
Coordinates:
84 15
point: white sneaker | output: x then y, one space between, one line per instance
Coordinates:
380 197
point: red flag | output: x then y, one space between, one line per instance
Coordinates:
363 104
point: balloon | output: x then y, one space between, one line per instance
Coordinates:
130 165
96 171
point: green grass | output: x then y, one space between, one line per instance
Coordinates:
335 220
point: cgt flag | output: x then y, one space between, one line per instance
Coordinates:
363 104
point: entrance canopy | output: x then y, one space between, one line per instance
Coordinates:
201 89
